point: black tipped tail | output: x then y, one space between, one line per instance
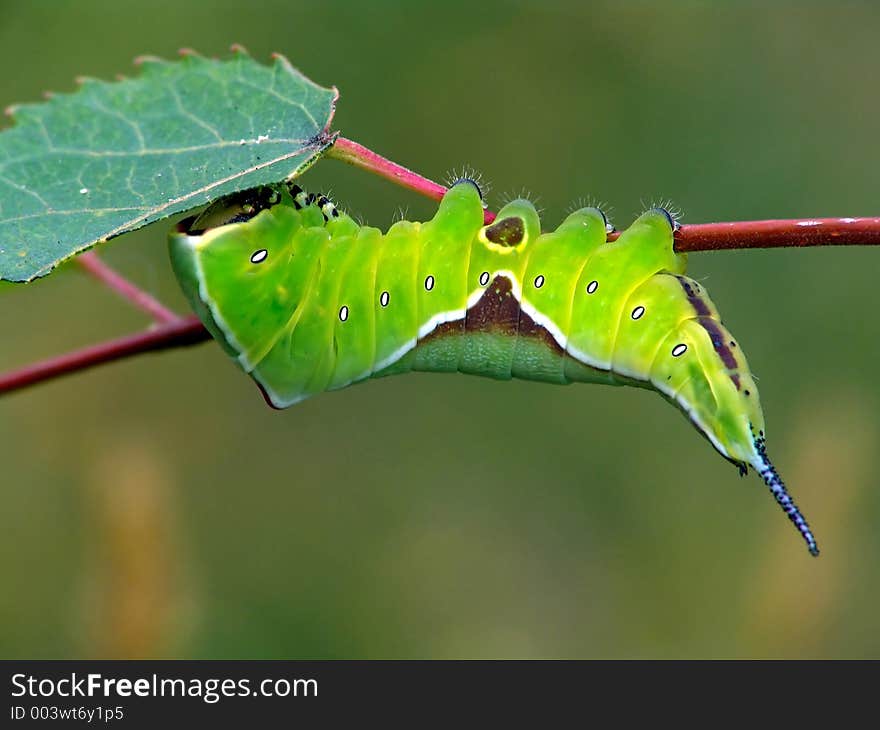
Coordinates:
777 488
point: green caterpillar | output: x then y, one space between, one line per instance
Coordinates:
307 300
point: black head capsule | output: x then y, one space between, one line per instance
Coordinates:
237 207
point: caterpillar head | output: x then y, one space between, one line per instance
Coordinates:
234 261
235 208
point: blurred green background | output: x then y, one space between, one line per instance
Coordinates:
157 507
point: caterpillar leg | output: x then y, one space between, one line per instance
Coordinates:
301 199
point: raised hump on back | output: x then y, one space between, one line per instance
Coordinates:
516 224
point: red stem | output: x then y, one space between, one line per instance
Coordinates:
779 234
122 286
183 331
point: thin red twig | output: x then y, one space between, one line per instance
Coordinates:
184 331
779 234
126 289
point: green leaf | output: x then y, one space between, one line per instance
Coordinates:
112 157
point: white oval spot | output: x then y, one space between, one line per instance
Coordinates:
592 286
638 312
539 281
258 257
83 191
679 350
383 299
429 283
484 278
343 313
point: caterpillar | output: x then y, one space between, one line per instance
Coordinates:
307 300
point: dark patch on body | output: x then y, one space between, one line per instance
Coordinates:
717 336
507 231
694 299
713 329
498 312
